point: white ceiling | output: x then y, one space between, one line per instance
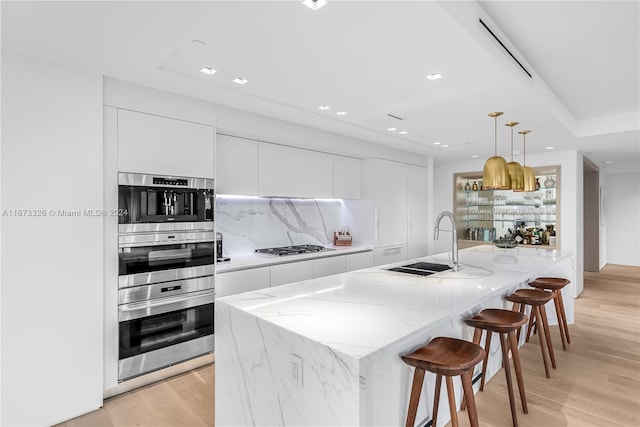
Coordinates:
370 59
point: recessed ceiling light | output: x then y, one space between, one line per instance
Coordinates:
240 80
198 43
314 4
444 145
434 76
437 143
341 113
392 129
208 70
548 148
475 156
324 107
608 162
403 132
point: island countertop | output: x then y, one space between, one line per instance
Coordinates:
345 334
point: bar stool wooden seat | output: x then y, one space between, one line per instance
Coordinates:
505 323
447 357
555 285
537 299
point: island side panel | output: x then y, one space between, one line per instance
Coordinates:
254 384
386 379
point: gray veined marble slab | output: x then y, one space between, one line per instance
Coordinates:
349 331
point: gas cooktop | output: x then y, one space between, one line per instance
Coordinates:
292 250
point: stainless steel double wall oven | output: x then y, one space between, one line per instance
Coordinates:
166 290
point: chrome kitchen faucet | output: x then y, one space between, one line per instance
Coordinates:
454 232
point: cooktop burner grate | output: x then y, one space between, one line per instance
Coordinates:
292 250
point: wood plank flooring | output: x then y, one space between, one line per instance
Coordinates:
597 382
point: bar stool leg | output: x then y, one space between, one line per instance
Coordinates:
452 403
436 400
486 359
534 311
507 373
564 316
416 389
545 326
468 394
556 302
515 353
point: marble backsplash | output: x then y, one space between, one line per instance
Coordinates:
252 223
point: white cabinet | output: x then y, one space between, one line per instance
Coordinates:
419 229
390 254
235 282
291 272
346 177
390 203
292 172
328 266
236 165
359 261
160 145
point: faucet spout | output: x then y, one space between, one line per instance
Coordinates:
454 235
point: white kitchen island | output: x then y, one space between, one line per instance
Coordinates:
326 352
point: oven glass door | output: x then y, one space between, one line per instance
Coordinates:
145 334
155 258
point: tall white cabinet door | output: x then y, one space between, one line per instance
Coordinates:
161 145
293 172
418 229
390 203
236 166
346 177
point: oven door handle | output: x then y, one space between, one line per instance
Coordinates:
164 305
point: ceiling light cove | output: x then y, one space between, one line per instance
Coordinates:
434 76
240 80
324 107
208 70
314 4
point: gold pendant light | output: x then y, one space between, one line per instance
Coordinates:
496 173
515 168
529 177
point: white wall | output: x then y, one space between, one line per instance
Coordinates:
51 265
622 218
571 228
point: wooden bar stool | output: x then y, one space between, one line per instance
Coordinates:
447 357
555 285
536 299
505 323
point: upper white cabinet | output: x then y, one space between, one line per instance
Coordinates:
346 177
161 145
390 203
418 228
292 172
237 165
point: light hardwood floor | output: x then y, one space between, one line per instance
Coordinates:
597 382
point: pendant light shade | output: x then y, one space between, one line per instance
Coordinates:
529 178
516 174
496 172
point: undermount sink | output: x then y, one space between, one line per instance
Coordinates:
443 271
421 268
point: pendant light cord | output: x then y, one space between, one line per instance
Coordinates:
495 134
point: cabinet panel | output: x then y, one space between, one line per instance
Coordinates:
390 203
328 266
418 229
359 261
291 272
160 145
236 166
235 282
292 172
346 177
390 254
